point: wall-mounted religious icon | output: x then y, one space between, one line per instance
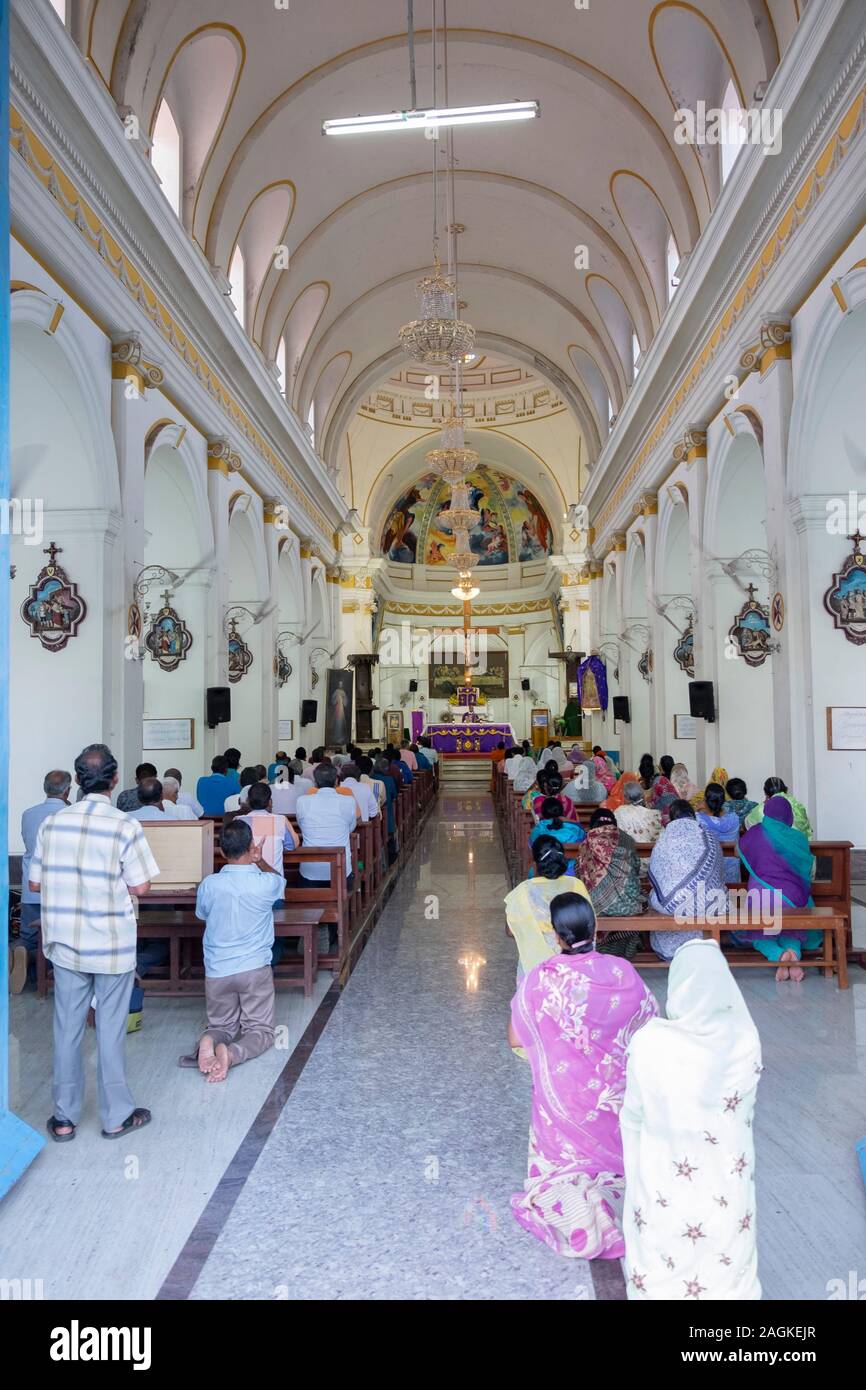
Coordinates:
282 666
169 638
592 685
845 600
684 652
751 630
240 656
645 665
777 612
53 610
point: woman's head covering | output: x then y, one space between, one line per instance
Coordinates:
602 771
576 755
777 855
685 787
720 775
585 785
684 855
617 794
524 778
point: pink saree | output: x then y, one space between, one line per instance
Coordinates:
575 1016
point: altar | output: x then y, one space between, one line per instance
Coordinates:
475 737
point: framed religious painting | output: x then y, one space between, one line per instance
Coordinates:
240 656
751 631
645 665
168 639
54 609
393 726
684 652
338 707
845 600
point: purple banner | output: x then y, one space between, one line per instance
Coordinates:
417 724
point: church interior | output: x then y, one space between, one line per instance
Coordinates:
455 409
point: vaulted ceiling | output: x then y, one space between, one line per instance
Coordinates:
249 86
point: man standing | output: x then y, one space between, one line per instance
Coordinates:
56 787
88 859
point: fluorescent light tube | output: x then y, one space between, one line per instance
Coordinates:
421 120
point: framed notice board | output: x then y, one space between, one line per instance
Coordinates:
846 728
168 734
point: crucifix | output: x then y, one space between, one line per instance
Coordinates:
52 551
751 590
166 597
856 538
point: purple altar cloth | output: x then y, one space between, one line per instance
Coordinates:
469 738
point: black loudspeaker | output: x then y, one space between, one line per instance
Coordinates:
219 705
524 684
620 708
702 704
309 709
413 686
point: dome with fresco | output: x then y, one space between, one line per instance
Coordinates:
513 525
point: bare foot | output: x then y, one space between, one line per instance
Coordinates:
220 1069
206 1055
783 972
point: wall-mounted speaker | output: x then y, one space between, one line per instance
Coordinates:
309 709
524 684
702 703
218 705
413 686
621 708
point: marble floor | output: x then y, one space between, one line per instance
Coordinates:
94 1219
387 1173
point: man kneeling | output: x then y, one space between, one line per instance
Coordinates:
237 907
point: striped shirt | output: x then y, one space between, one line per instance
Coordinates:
85 857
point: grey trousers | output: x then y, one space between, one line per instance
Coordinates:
240 1012
73 992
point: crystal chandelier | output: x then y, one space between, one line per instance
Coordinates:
452 460
438 336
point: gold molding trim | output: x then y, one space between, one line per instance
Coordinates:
57 183
797 210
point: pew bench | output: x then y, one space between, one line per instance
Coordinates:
832 960
184 973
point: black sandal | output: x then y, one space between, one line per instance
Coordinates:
137 1120
54 1125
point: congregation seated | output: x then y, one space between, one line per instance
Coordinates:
646 772
685 869
774 786
306 767
367 779
737 799
56 787
407 755
150 807
663 790
171 804
326 819
212 791
616 794
553 753
778 860
551 823
718 777
574 1013
527 906
725 825
430 753
604 767
183 798
635 818
585 787
234 803
609 867
273 832
549 784
289 783
130 800
367 802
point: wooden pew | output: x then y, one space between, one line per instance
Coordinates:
184 972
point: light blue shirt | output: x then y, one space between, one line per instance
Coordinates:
31 819
237 907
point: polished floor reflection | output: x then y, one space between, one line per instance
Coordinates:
389 1172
